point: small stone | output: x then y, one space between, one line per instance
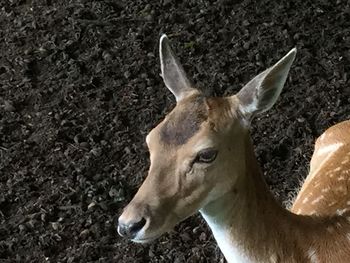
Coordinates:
96 151
103 206
84 144
120 195
54 225
8 106
84 234
149 17
57 237
43 217
113 192
150 253
127 150
185 237
246 23
246 45
127 74
166 2
91 205
22 228
203 237
30 224
106 56
28 51
196 229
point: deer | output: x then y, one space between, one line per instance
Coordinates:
202 160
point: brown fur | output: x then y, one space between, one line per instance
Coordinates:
327 189
185 121
229 190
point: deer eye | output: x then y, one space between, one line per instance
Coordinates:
206 156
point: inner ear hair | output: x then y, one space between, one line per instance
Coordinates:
262 92
173 74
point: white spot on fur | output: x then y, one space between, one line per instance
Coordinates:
337 169
341 178
317 200
329 148
326 190
341 211
341 189
348 236
345 172
323 136
312 255
328 172
332 203
305 200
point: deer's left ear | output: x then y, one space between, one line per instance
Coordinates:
261 93
173 73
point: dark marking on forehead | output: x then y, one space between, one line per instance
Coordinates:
184 122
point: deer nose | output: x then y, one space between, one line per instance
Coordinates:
130 229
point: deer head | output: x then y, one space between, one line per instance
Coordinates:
197 152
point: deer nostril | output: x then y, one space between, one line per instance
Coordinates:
136 227
130 230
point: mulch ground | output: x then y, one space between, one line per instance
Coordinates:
80 89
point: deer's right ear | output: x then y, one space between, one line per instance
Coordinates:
173 73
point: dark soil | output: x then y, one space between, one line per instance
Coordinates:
80 89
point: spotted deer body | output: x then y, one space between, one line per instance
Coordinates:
326 191
202 159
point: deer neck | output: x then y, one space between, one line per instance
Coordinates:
247 223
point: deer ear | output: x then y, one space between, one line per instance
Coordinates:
173 73
261 93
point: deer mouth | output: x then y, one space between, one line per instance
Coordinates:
148 235
145 240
